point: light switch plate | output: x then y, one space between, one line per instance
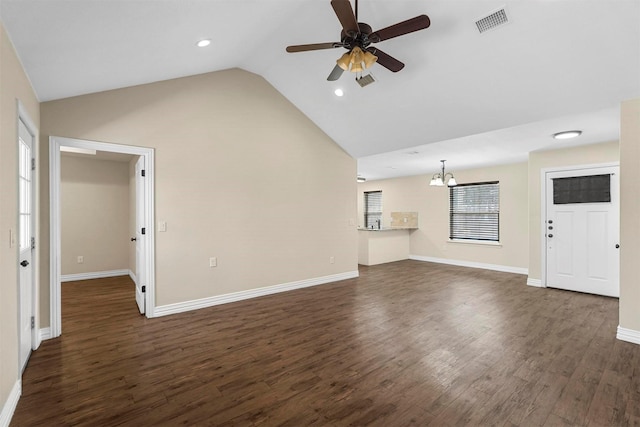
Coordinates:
162 226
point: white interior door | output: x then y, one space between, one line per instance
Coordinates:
25 233
141 275
582 230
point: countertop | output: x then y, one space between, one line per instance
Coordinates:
387 229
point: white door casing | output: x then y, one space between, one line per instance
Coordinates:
26 164
141 276
581 239
148 254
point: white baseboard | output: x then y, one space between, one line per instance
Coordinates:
133 277
45 333
495 267
95 275
181 307
534 282
9 406
628 335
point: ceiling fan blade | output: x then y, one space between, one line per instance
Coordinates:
335 74
345 15
387 61
313 46
401 28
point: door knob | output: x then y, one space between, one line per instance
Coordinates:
617 246
550 235
133 239
24 263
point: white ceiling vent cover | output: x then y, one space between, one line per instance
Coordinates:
493 20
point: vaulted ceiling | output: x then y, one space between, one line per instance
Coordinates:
473 99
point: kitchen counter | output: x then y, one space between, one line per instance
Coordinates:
378 246
387 229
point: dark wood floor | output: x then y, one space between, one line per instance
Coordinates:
407 343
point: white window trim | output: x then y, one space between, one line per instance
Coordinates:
476 242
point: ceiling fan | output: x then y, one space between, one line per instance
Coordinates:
357 38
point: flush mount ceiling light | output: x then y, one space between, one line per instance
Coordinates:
203 43
567 134
338 92
439 178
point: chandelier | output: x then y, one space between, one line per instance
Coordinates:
439 178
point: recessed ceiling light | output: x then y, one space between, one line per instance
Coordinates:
338 92
567 134
203 43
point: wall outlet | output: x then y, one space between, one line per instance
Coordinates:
213 262
80 259
332 260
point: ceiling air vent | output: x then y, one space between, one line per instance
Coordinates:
493 20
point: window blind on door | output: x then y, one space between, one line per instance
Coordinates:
582 189
475 211
372 208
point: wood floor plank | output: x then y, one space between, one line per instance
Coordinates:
406 344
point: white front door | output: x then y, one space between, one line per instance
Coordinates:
141 276
582 230
25 233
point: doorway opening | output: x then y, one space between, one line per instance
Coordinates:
145 247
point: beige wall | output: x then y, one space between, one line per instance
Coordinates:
14 86
539 160
630 215
432 204
241 175
379 247
94 207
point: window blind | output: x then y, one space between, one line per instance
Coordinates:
475 211
582 189
372 208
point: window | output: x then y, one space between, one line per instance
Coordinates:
372 208
582 189
25 185
474 212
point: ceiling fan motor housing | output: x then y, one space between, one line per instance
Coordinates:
361 39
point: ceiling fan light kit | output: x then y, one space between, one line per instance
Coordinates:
357 38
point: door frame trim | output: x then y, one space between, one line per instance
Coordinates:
23 116
55 142
543 207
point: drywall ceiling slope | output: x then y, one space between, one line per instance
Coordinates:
555 59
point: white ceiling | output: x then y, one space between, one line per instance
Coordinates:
473 99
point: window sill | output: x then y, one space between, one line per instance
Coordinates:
475 242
